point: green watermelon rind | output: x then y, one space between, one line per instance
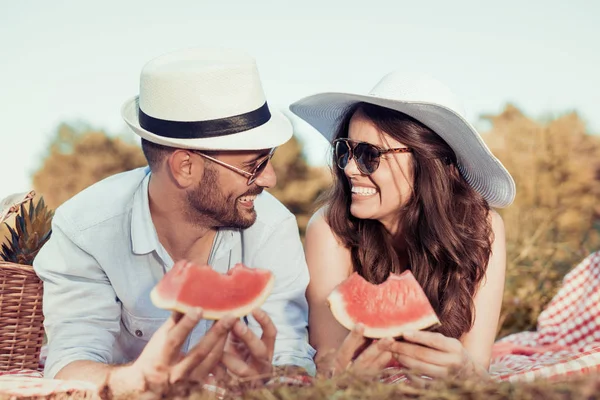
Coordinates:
337 305
209 314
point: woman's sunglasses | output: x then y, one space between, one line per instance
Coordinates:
365 155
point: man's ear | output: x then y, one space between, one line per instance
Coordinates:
185 169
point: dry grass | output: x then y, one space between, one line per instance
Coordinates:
354 387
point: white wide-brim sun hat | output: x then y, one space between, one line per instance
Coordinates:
434 105
205 99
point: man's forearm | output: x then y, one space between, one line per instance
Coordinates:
119 378
85 370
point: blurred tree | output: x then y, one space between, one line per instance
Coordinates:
80 157
550 226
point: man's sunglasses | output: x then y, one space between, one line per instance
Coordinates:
365 155
252 175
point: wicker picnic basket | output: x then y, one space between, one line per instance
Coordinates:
21 317
21 314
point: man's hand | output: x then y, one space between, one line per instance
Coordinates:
247 356
161 362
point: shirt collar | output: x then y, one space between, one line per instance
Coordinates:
143 234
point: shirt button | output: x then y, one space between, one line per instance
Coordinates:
139 333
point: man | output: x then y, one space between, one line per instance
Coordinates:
208 135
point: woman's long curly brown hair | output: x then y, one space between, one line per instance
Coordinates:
445 223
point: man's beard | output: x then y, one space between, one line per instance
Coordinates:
207 205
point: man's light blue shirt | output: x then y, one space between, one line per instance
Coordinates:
104 258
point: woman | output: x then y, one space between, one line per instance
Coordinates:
414 184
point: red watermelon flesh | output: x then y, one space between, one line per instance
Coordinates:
386 310
236 293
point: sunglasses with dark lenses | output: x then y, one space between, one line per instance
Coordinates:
365 155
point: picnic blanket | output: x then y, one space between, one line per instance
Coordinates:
567 339
566 343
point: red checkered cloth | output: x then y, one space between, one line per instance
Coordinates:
567 339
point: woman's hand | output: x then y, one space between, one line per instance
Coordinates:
435 355
372 360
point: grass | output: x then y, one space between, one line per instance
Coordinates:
354 387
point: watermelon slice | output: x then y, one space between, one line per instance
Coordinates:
386 310
236 293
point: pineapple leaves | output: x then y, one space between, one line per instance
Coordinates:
33 228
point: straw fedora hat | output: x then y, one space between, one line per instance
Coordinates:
205 99
434 105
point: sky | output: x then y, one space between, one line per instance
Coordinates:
74 61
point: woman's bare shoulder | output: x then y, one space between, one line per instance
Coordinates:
497 223
322 245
